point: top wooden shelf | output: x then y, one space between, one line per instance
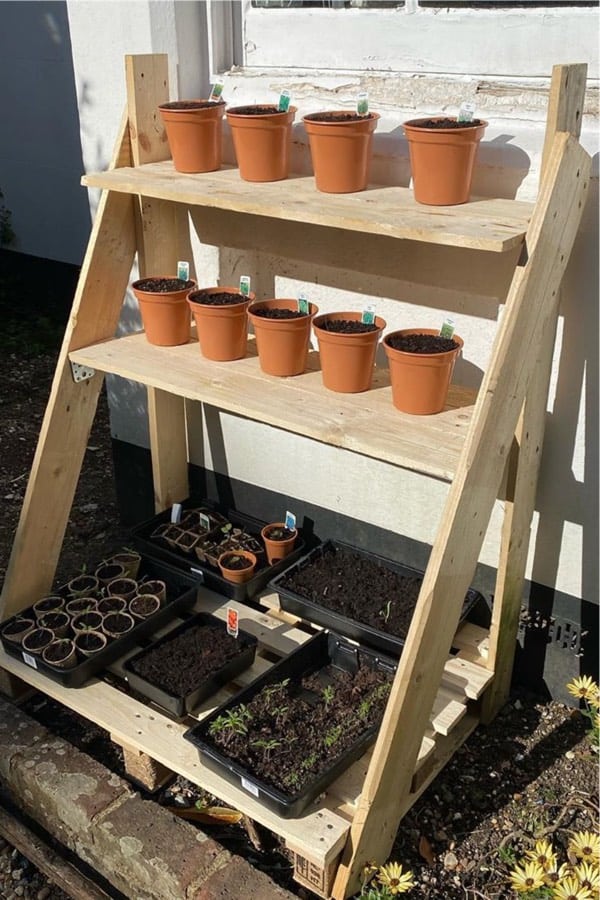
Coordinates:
495 225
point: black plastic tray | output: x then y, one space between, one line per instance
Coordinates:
181 594
158 549
320 651
179 706
327 618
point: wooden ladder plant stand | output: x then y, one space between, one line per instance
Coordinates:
148 213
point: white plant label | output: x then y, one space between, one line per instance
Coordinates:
30 660
233 621
176 513
447 329
368 315
362 104
248 786
290 520
466 112
284 101
303 305
183 270
204 521
245 285
217 90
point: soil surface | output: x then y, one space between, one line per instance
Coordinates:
163 285
275 312
191 104
347 326
529 773
222 298
443 123
333 117
421 343
254 111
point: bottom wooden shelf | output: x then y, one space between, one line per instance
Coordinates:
318 837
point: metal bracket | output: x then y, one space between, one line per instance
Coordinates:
81 373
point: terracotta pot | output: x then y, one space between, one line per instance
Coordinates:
165 315
89 643
282 343
442 161
237 576
278 549
420 381
60 654
347 360
222 329
194 131
262 142
341 150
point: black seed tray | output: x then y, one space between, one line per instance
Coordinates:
158 548
182 591
365 634
178 706
322 650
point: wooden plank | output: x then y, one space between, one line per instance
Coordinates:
467 510
444 750
472 639
466 676
567 94
319 834
71 407
147 81
364 423
168 448
448 709
495 225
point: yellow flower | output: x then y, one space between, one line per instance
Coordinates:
553 876
585 688
543 854
570 889
585 845
394 879
589 876
527 877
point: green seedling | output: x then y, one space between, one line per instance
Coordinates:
266 746
328 693
364 709
309 762
332 736
385 612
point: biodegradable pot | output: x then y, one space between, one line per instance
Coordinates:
48 605
59 622
165 313
122 587
156 587
36 640
116 624
61 654
89 621
194 131
442 159
278 547
15 630
282 342
262 138
231 570
130 560
83 586
80 605
347 360
222 327
88 643
420 381
144 605
341 146
108 572
111 605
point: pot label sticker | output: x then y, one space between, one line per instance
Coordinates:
245 285
204 521
217 90
175 513
368 315
30 660
248 786
447 329
466 112
284 101
233 621
362 104
183 270
290 520
303 305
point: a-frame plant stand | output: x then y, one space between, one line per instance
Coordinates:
495 442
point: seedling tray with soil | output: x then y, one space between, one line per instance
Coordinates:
192 546
190 663
361 595
181 592
287 736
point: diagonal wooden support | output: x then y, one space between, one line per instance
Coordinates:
531 304
71 407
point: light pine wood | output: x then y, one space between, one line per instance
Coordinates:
166 415
468 508
496 225
147 80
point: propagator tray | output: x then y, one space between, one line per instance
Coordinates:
158 548
322 650
299 606
179 706
181 592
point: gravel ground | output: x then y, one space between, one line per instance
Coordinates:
18 878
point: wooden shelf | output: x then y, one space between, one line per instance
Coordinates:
483 224
365 423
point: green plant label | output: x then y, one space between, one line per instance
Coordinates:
183 270
466 112
303 305
447 329
362 104
233 621
284 101
204 521
175 513
217 90
368 315
290 520
245 285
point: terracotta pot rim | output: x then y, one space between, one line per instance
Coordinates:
351 316
429 331
169 296
290 112
307 120
245 301
171 106
414 124
273 304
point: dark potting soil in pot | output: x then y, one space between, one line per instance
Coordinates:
422 343
443 123
358 588
347 326
218 299
337 117
277 533
291 732
180 665
57 651
236 562
254 111
163 285
191 104
275 313
39 638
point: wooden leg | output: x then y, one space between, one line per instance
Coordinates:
168 446
143 769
